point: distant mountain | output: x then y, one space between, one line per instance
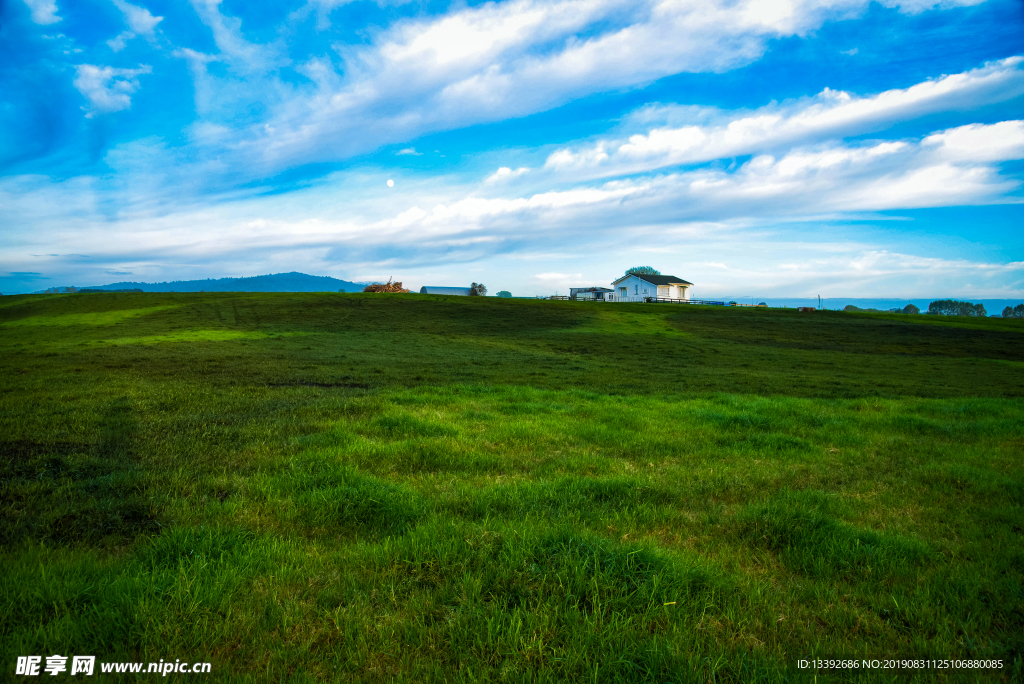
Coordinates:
276 282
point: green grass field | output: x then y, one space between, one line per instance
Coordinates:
330 487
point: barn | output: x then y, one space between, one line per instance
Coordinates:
431 289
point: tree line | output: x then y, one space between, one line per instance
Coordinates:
1014 312
949 307
952 307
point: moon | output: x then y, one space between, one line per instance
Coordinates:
391 183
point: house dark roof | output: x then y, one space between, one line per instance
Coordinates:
656 279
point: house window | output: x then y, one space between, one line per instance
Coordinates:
636 289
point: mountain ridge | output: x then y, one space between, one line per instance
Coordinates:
293 281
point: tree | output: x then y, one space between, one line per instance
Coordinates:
643 270
911 309
385 287
1014 312
952 307
477 290
505 294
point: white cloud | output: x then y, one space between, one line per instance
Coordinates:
715 227
806 181
552 279
244 56
980 143
107 88
837 270
567 159
473 214
831 113
140 22
918 6
118 42
139 19
506 173
890 175
844 269
409 151
43 11
443 221
491 62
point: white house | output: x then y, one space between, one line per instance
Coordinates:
642 287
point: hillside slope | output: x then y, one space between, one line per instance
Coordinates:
410 488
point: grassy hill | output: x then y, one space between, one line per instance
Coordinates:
332 487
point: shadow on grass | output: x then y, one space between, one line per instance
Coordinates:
73 493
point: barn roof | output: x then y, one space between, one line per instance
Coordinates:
655 279
431 289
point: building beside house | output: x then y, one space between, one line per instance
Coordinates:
593 294
430 289
640 287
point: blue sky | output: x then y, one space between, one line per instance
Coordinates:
774 148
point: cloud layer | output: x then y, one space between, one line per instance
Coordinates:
483 64
253 137
830 114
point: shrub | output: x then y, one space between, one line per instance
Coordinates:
385 287
477 290
505 294
911 309
952 307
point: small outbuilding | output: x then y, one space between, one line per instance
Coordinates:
431 289
593 294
